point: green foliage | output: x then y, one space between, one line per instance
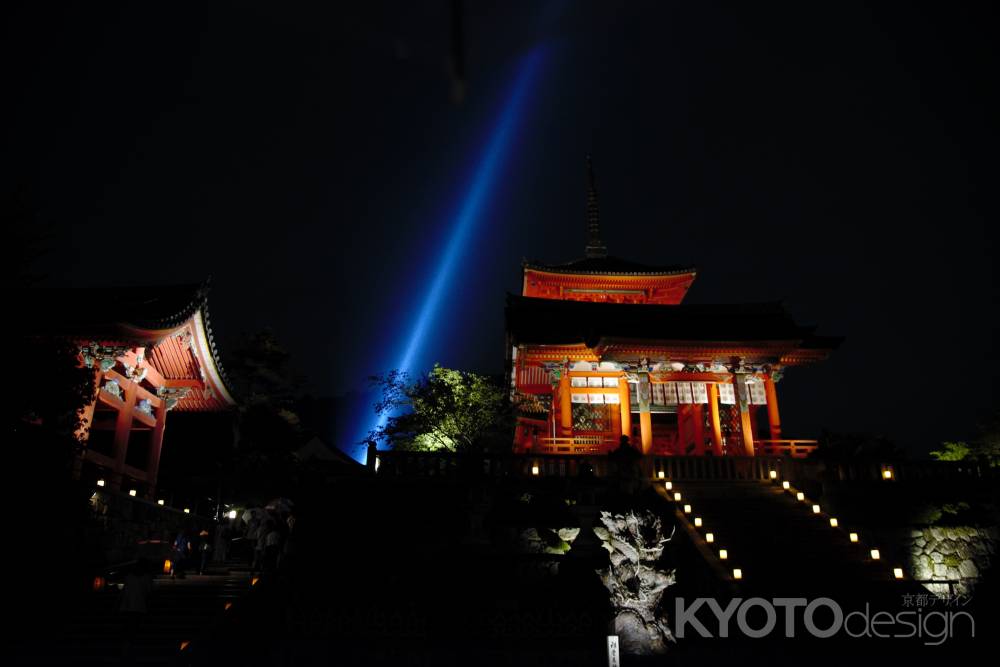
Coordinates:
952 451
447 409
51 392
985 449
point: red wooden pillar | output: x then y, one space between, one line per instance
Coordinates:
624 403
742 402
773 418
123 426
155 446
565 406
643 393
713 413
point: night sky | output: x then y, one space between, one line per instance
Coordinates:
311 159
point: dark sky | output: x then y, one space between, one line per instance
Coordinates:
310 159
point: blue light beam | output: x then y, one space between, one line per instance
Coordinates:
469 213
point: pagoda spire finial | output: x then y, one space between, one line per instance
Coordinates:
595 246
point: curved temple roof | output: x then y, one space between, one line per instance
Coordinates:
172 323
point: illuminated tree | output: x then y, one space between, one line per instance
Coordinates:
447 410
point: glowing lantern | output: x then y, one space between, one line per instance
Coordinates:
875 554
187 511
131 492
709 537
669 485
687 509
99 584
661 474
786 486
815 509
677 497
737 573
534 470
232 514
697 522
773 474
100 482
253 582
167 566
897 572
833 522
160 502
854 537
800 496
723 554
887 473
185 644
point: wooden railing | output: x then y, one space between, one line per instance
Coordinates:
798 449
708 468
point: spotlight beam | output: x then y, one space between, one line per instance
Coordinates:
490 162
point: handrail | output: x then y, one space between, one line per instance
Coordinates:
795 448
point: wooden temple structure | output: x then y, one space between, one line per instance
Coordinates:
154 353
602 347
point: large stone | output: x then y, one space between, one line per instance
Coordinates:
923 568
952 572
940 571
920 543
916 534
946 547
937 533
968 570
937 557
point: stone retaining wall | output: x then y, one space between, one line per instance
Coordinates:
951 553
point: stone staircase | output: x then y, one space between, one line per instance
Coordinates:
782 548
180 610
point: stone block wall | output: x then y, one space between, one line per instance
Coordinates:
961 554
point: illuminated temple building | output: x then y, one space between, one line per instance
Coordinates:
602 347
153 352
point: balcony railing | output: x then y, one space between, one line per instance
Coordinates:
797 449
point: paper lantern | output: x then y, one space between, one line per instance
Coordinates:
737 573
723 554
709 537
833 522
875 554
697 522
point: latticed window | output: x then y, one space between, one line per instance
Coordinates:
591 417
